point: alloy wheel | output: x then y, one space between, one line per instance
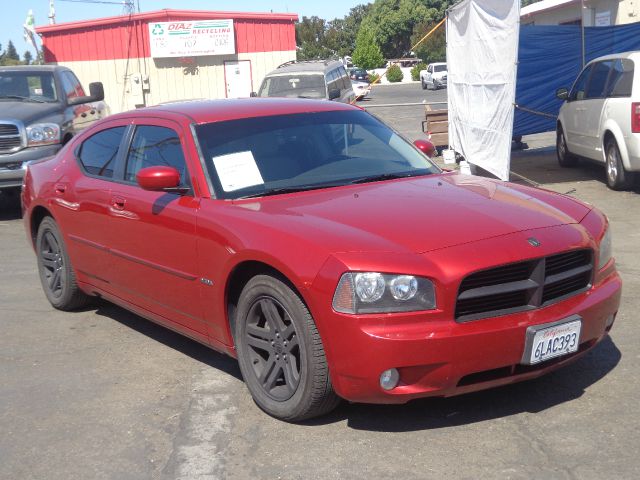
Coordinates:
612 164
273 347
52 260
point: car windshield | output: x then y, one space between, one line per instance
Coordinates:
27 86
295 86
307 151
439 68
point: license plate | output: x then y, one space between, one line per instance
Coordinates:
544 342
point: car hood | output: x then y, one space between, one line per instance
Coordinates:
417 215
26 112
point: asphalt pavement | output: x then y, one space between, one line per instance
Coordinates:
104 394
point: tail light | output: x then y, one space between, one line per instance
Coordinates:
635 117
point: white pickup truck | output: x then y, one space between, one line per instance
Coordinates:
434 77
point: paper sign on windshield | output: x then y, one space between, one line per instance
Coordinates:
237 170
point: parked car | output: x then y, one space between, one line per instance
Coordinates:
434 77
330 256
361 89
600 118
319 79
41 108
359 74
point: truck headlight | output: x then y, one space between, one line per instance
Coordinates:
43 134
606 250
374 292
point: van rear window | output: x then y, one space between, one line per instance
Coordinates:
621 78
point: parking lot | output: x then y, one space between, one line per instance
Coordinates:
103 393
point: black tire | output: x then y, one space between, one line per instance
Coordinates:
565 157
54 267
617 177
424 85
280 352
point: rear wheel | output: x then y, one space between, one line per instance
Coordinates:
617 177
280 352
565 157
56 272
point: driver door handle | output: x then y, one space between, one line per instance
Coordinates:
118 202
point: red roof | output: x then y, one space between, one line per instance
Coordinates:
166 15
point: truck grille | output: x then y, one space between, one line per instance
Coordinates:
10 139
524 285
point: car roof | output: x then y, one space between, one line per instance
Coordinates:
631 54
32 68
317 66
207 111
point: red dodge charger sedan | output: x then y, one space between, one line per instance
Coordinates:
325 252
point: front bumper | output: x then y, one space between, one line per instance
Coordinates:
445 358
13 165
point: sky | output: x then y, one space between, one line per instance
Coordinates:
13 18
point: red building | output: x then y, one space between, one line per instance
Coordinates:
167 55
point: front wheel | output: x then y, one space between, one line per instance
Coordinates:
617 177
280 352
565 157
424 85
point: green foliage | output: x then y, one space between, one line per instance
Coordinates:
524 3
394 74
11 53
27 58
434 48
310 39
415 71
393 22
367 54
373 77
10 56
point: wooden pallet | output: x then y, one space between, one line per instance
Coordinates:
436 124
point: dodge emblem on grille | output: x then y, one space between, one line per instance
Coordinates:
533 242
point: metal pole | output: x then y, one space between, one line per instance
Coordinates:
582 31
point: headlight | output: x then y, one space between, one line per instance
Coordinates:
43 134
605 249
373 292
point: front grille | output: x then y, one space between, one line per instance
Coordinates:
10 139
524 285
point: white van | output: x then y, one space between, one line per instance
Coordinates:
600 118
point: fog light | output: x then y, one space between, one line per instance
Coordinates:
389 379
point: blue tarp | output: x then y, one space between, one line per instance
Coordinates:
550 57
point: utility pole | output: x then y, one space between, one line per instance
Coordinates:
582 32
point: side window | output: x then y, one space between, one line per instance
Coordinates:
98 153
71 86
598 80
621 78
344 83
577 91
152 146
430 69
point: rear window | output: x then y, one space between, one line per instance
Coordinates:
621 78
295 86
98 153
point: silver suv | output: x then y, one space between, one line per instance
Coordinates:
600 118
321 79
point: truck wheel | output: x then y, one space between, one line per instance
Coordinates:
280 352
617 177
565 157
56 272
424 85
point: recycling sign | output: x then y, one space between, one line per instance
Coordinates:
192 38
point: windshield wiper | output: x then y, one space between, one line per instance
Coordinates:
282 190
20 97
385 176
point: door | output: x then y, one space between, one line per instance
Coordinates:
83 205
574 111
237 76
153 242
595 98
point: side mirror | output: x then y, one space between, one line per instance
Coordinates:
253 94
426 147
333 94
562 93
158 178
96 94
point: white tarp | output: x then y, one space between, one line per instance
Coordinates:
482 53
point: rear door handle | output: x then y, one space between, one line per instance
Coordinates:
118 203
60 188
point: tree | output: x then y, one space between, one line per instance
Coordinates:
434 48
393 22
27 58
367 54
310 39
11 52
